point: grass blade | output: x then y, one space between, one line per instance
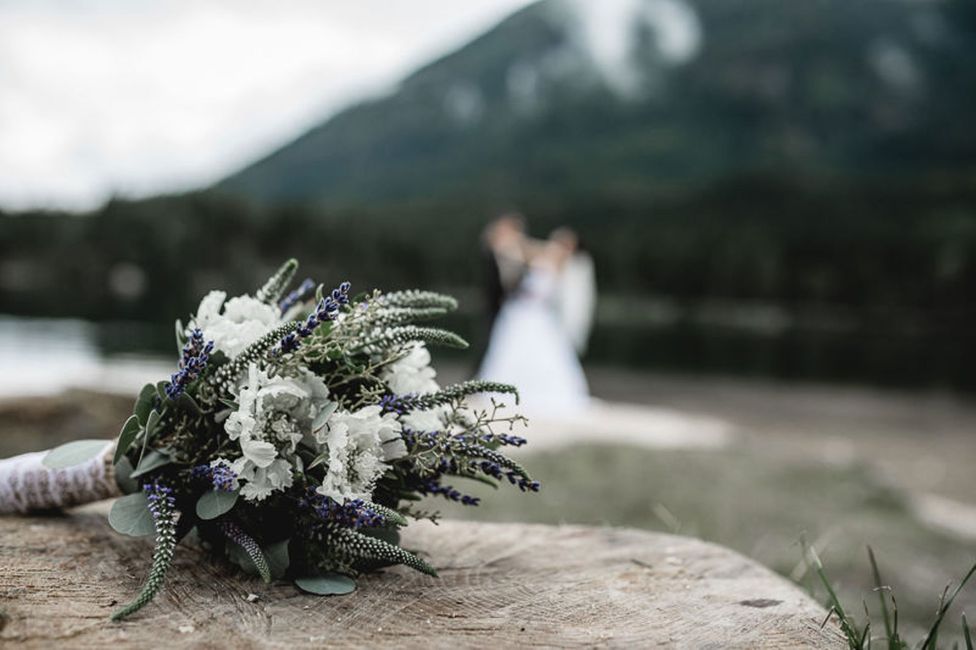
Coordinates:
966 633
881 588
847 625
944 604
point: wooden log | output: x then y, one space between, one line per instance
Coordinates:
500 585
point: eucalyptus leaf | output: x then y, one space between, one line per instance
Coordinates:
123 476
215 503
74 453
330 584
278 559
239 556
145 402
153 460
152 423
321 458
130 515
127 436
323 416
189 404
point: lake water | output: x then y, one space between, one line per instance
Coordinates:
45 356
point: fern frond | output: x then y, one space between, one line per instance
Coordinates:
356 546
275 287
234 533
414 298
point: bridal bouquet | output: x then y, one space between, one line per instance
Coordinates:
297 434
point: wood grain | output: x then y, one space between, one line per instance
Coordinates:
500 585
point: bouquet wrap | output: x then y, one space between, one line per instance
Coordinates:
27 484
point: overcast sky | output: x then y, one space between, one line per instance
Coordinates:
135 97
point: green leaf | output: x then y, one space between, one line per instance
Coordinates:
123 476
323 416
318 460
278 559
144 404
153 460
130 516
189 404
127 436
161 389
215 503
152 423
331 584
239 556
74 453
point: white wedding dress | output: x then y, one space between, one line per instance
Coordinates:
530 348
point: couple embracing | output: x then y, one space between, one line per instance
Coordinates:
541 299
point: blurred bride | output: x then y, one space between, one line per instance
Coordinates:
532 345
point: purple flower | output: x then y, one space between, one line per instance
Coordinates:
161 499
193 361
220 476
327 310
300 294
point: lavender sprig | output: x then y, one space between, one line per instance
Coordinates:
193 361
327 310
354 513
220 476
434 487
300 294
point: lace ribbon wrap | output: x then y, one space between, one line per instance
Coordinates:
26 484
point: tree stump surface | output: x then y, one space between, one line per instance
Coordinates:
500 585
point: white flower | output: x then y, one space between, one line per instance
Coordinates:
244 320
431 420
412 373
274 413
358 445
257 483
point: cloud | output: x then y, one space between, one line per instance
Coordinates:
135 97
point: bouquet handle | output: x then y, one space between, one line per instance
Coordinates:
27 485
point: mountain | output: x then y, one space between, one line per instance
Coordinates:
634 98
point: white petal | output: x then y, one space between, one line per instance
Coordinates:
258 452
